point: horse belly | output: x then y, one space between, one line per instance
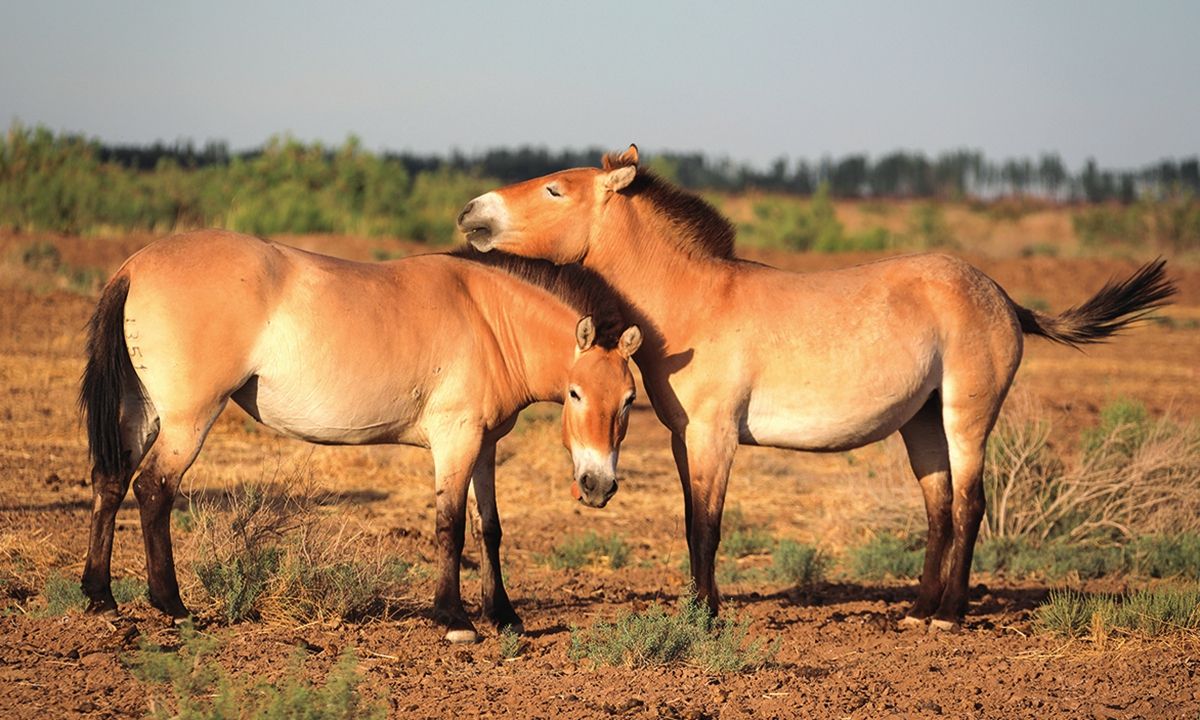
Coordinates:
834 417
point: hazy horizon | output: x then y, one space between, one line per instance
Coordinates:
1104 80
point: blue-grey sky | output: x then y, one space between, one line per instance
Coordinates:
1119 81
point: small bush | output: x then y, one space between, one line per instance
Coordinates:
201 689
1123 428
798 564
510 643
1163 556
886 556
587 549
237 582
927 227
741 539
1147 612
656 637
63 594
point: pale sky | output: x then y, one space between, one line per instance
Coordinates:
751 81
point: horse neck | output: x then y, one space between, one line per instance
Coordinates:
535 332
660 280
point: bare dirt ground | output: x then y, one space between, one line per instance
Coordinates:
840 651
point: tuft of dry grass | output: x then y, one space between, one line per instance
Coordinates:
271 552
1135 476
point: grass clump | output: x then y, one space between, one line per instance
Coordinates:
276 557
62 594
741 539
510 643
690 636
798 564
1149 612
198 687
589 549
886 555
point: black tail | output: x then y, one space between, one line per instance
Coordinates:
107 375
1109 311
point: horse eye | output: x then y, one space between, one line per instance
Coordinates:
574 394
553 191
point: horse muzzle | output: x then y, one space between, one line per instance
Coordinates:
478 222
594 490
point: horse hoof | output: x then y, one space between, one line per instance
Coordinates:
462 637
945 626
908 622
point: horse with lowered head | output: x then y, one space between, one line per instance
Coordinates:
438 351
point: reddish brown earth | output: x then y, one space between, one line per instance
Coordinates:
840 652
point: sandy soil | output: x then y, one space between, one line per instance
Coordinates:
840 655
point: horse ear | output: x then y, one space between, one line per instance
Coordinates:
619 179
631 340
629 157
585 333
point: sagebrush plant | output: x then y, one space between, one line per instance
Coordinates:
886 555
1135 475
510 642
690 636
198 687
63 594
1148 612
588 549
798 564
739 538
274 555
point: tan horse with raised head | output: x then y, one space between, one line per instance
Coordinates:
739 352
439 351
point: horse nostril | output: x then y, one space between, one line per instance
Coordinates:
588 483
466 211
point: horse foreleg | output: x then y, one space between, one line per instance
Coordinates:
929 458
709 457
454 460
679 450
496 605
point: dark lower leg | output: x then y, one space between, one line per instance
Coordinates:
968 512
496 604
447 603
155 491
107 495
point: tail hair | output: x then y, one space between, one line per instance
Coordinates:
106 376
1108 312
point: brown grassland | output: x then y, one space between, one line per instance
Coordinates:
836 648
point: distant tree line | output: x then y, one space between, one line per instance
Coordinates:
68 183
951 175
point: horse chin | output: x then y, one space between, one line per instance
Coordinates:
481 239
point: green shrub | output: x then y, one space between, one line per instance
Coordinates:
63 594
1106 226
510 642
740 539
199 688
799 564
1163 556
1124 425
927 227
236 583
1147 612
656 637
581 550
887 556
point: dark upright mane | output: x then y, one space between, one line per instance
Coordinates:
705 231
585 291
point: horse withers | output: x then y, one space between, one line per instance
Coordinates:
739 352
440 351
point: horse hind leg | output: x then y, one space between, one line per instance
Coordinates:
138 431
967 429
155 487
928 455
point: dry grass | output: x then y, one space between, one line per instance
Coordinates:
1135 476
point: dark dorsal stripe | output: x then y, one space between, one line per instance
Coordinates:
704 231
581 289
